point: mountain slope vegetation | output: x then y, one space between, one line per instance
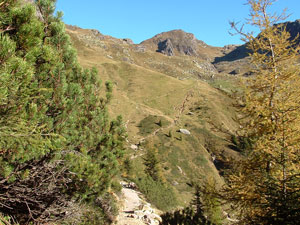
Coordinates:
179 93
62 157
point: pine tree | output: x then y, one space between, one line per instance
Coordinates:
191 215
152 166
265 188
57 142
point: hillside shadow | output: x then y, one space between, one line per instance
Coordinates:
239 53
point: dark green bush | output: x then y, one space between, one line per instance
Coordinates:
57 142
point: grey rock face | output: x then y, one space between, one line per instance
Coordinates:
166 47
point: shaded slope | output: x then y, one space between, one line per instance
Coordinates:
236 61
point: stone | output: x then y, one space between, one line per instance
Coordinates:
156 217
128 41
179 168
235 72
140 48
184 131
134 147
139 213
147 209
175 183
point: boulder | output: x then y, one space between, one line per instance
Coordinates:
184 131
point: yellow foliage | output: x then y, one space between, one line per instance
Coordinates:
266 188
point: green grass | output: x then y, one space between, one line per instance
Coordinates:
151 123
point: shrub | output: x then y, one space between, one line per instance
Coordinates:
57 142
158 193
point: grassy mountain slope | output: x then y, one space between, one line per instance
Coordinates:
157 95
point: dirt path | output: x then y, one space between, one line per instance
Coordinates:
132 200
135 210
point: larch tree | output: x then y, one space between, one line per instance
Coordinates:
57 143
265 188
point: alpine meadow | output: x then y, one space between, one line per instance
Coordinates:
101 130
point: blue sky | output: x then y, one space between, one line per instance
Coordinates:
142 19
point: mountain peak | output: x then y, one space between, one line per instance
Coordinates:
175 42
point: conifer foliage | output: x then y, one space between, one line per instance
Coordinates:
152 165
266 186
57 144
191 215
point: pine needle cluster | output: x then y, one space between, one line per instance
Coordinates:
57 143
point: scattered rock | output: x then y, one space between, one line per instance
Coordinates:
146 208
179 168
140 48
136 210
235 72
184 131
128 41
134 147
175 183
126 59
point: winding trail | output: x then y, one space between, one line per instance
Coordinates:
135 210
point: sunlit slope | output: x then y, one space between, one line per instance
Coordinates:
155 104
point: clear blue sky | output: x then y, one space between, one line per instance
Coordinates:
142 19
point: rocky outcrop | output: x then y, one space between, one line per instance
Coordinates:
176 41
128 41
166 47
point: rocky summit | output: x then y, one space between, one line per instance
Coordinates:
181 43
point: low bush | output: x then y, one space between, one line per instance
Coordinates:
160 194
